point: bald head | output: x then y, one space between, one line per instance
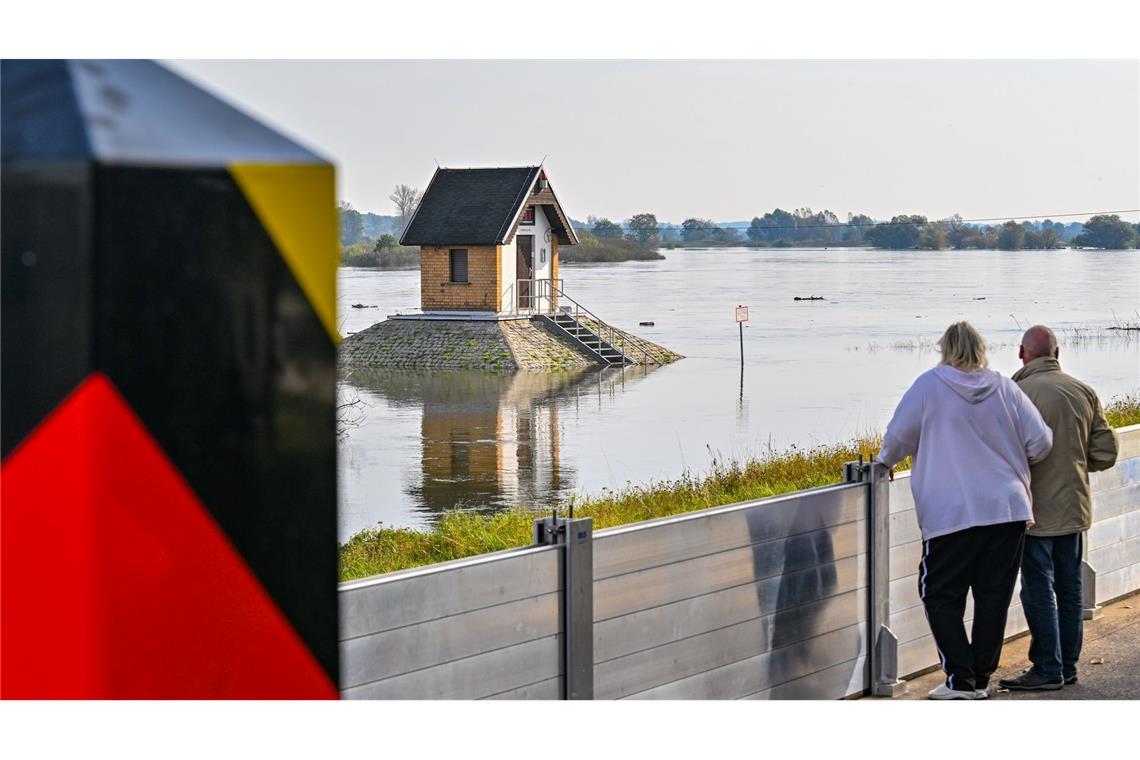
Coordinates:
1038 341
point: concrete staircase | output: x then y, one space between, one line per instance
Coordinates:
588 340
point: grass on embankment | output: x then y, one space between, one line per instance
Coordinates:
1123 411
464 534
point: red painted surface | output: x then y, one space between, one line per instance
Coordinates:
116 581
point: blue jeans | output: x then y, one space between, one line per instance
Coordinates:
1052 599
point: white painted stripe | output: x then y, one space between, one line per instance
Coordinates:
922 595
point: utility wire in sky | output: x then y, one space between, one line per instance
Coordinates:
906 223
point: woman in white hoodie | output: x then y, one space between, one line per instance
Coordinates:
972 434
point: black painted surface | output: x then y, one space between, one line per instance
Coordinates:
46 290
207 334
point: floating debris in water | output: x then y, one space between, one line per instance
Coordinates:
645 324
809 298
982 298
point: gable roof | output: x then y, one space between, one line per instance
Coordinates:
478 207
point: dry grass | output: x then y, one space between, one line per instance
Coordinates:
1123 411
464 534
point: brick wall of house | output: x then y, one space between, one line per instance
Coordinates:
484 274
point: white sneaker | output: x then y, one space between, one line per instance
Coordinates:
942 691
982 693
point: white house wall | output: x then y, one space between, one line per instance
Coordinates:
509 295
543 265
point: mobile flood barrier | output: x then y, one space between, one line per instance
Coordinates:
808 595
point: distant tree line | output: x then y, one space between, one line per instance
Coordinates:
906 232
802 227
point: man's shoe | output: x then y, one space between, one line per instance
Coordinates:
1031 680
942 691
981 693
1070 680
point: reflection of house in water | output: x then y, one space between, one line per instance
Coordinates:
491 441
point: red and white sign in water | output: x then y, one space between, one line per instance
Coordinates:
741 313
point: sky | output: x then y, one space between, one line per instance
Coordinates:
726 140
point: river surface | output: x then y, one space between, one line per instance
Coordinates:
814 372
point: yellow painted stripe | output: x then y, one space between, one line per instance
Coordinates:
296 204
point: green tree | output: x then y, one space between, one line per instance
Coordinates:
386 242
901 233
1106 231
351 224
777 225
932 236
725 234
858 224
1011 237
643 229
694 228
604 228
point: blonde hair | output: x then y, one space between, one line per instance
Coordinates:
963 347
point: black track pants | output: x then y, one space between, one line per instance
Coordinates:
983 560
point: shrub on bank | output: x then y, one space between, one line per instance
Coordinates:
390 256
593 249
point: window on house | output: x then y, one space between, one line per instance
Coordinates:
458 266
527 215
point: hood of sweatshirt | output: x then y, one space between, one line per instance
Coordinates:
974 387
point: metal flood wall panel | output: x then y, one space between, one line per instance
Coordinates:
1113 541
764 599
485 627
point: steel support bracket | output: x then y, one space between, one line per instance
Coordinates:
1090 609
885 674
576 585
883 644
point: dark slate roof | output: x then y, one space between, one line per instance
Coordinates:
128 112
470 206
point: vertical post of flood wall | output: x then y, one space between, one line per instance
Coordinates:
576 537
882 642
168 270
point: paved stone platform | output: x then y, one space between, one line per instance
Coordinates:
489 345
1113 640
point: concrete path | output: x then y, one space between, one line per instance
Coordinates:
1112 641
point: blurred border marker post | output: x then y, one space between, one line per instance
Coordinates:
168 337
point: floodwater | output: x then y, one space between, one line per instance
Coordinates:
814 372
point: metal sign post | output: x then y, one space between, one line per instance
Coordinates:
741 318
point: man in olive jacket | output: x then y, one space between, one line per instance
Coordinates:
1083 442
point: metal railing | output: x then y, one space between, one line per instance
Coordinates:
546 296
534 296
604 331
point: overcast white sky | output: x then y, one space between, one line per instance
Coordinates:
726 140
